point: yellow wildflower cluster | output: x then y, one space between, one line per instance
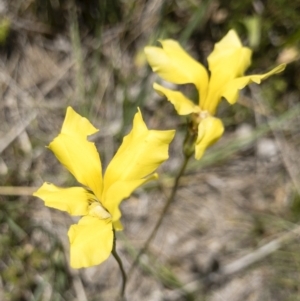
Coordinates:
142 151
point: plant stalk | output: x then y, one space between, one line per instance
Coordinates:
119 261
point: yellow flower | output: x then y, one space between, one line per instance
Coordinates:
141 152
227 64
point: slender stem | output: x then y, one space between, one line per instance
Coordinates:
162 215
119 261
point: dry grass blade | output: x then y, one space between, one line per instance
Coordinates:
13 190
289 155
258 255
240 265
15 132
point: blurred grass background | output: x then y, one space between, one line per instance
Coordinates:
244 193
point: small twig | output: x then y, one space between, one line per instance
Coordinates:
17 190
15 132
259 254
240 264
28 25
284 148
78 287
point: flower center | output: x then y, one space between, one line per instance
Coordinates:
198 117
97 210
204 114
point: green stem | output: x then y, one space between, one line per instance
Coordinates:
162 215
119 261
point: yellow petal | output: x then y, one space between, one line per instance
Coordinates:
182 105
140 154
74 200
91 242
210 130
175 65
75 125
119 191
76 153
228 60
117 225
229 57
230 91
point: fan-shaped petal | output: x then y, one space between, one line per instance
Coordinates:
230 57
91 241
231 89
75 125
121 190
210 130
76 153
74 200
228 60
139 155
174 64
182 104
